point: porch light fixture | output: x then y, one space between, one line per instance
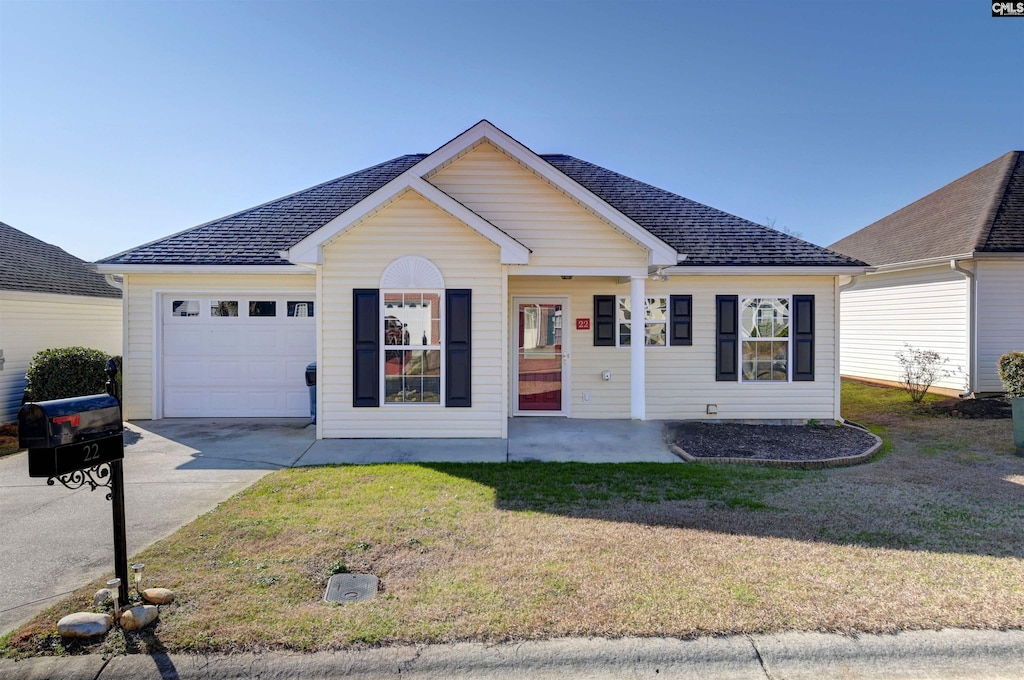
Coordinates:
659 275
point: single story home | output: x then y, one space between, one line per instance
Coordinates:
441 294
48 298
948 276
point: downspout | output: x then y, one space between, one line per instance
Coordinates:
837 400
972 288
113 282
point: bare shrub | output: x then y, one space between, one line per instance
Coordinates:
921 368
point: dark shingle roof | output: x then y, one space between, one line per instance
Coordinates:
255 236
28 264
707 236
983 211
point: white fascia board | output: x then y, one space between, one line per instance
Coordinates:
578 271
660 253
201 269
309 250
765 271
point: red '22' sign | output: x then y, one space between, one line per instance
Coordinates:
583 324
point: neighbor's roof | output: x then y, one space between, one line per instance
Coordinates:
31 265
707 236
983 211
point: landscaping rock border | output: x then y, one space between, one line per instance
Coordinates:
798 463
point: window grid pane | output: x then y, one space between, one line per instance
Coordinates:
412 341
765 349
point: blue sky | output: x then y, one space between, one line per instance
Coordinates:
121 122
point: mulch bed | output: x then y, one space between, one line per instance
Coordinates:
772 442
987 407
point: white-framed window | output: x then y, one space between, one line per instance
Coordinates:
655 322
412 346
764 336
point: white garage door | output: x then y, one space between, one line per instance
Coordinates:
234 355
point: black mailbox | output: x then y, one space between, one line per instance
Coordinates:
65 435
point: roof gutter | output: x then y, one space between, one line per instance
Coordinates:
739 270
200 269
917 264
972 310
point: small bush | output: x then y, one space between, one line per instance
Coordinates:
921 369
66 372
1011 372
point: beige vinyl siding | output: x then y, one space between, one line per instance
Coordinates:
926 308
1000 316
608 399
142 330
681 379
412 226
559 231
30 322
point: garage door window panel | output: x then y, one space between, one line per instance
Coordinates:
300 308
222 308
262 308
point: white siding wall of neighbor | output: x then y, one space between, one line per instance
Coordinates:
680 380
30 322
411 225
559 231
1000 316
925 308
143 321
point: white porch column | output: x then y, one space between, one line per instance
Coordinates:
637 353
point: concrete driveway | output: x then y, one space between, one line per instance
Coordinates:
56 539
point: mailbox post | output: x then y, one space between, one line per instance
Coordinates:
80 441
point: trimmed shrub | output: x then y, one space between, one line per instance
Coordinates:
66 372
1011 372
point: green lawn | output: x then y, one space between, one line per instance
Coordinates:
929 535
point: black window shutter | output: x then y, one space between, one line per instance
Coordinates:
458 347
604 321
803 337
680 319
365 347
727 337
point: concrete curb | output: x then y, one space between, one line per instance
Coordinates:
815 464
794 656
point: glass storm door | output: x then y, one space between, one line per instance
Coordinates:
540 357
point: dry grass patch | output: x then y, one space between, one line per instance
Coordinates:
930 535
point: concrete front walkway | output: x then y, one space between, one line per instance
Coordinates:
538 438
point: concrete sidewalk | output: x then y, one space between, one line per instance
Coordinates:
922 655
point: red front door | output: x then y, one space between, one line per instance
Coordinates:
540 356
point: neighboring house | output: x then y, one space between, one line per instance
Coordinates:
948 276
443 293
48 298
